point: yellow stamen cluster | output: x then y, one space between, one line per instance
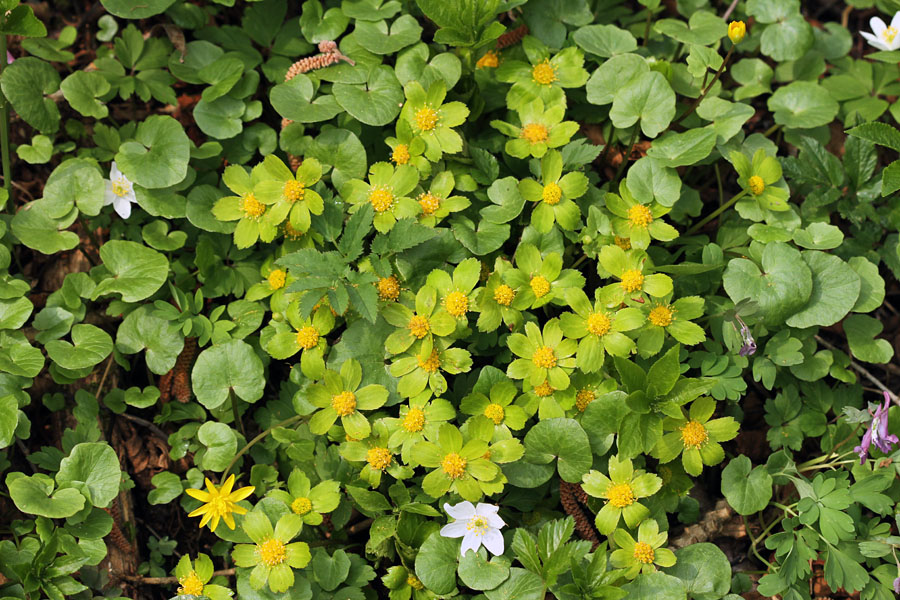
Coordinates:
543 73
491 60
640 216
552 194
308 337
632 280
504 295
539 285
544 357
643 552
190 585
271 552
293 190
276 279
583 398
535 133
598 324
301 506
620 495
426 118
414 420
431 364
494 412
478 525
252 207
661 316
454 465
379 458
388 288
889 34
121 187
413 582
456 303
694 434
400 155
430 203
622 242
543 390
344 403
290 232
756 185
381 198
419 326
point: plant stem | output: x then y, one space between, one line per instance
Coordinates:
258 438
716 213
697 102
4 128
625 157
237 415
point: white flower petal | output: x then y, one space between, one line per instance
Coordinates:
877 25
455 529
114 172
495 521
471 541
493 541
486 509
130 195
109 196
463 510
895 22
123 207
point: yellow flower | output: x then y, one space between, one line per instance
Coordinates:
219 503
491 60
736 31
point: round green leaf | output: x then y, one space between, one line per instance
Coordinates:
26 84
605 40
746 491
31 495
704 569
861 331
14 312
377 102
89 346
136 271
378 39
158 155
94 469
141 330
9 418
220 442
780 289
434 563
803 105
835 291
229 367
655 586
561 439
129 9
82 88
480 574
220 118
521 585
650 99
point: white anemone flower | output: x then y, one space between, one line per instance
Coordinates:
476 525
119 192
884 37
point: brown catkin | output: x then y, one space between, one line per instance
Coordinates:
181 386
295 161
118 538
311 63
512 37
568 497
165 386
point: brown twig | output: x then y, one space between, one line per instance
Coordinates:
147 424
103 377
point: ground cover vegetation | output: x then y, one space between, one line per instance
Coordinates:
363 299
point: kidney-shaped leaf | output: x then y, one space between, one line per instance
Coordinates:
92 468
89 346
232 366
136 270
565 440
32 495
158 155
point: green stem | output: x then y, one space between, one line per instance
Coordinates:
257 439
237 415
625 157
716 213
772 130
703 94
4 127
787 509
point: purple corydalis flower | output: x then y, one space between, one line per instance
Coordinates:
9 57
749 344
877 433
897 585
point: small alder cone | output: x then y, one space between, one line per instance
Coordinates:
181 386
329 55
512 37
570 495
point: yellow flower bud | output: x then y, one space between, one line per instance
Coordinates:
736 31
